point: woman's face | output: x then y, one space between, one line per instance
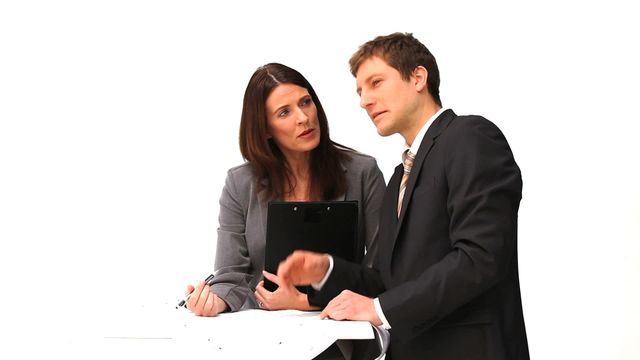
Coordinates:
292 120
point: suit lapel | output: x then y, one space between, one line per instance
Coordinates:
430 138
394 190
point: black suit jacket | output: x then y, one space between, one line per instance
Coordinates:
446 273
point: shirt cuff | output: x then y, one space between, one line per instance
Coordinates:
319 285
376 305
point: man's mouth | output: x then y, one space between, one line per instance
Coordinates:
376 114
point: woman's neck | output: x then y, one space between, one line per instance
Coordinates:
299 169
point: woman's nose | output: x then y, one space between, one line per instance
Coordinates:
302 117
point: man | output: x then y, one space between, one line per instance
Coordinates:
445 280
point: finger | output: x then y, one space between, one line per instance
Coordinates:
332 313
262 291
336 309
273 278
208 305
324 314
204 293
192 300
284 268
189 290
261 300
331 306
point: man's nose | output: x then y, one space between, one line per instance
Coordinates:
365 99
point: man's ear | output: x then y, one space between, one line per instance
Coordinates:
419 78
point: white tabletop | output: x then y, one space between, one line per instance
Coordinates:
161 331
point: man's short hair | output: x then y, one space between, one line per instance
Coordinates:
404 53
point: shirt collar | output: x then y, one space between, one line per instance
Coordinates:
423 131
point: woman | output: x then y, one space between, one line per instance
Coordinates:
284 136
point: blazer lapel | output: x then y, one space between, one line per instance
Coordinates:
439 124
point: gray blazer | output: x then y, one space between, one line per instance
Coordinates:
243 226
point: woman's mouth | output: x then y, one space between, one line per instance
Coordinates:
306 133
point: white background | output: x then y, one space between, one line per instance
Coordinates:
119 119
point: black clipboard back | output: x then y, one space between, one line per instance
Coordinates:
320 226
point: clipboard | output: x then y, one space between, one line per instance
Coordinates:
320 226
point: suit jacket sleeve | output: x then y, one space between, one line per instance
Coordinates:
232 264
484 193
361 279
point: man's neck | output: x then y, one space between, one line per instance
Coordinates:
419 121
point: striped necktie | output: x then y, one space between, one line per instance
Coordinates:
407 163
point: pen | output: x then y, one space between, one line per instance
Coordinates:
207 281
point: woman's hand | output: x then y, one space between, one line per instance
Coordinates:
203 302
285 297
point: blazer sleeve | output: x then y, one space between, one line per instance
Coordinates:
373 192
358 278
232 264
484 194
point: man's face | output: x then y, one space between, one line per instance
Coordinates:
390 101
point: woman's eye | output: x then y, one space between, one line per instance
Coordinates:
283 113
376 82
306 101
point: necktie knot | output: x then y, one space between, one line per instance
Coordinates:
407 161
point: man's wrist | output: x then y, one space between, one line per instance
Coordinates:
380 314
375 319
317 286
